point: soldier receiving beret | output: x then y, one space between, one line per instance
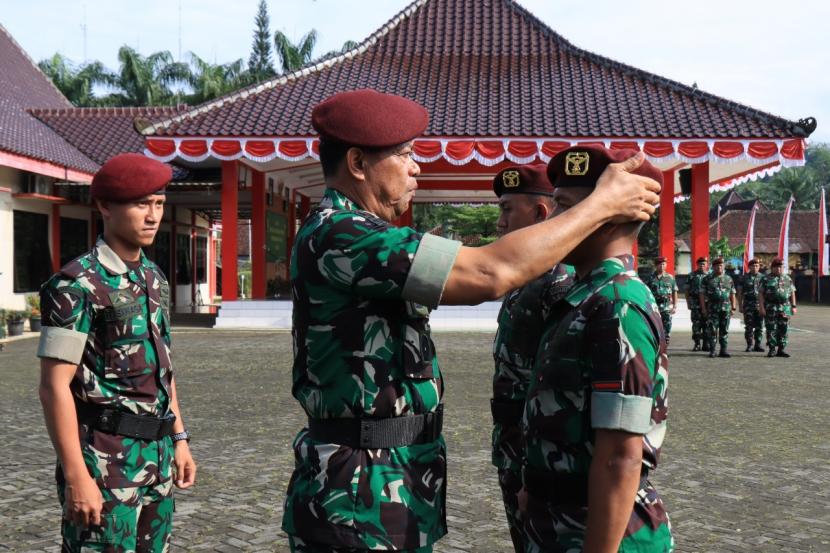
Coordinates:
107 386
595 414
664 288
525 197
370 467
693 287
748 298
717 303
777 305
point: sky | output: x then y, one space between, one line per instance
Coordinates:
771 55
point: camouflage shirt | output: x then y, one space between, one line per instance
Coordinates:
113 322
778 291
601 364
717 290
695 285
750 290
362 290
663 287
522 314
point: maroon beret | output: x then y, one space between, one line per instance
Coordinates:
702 259
659 260
717 261
369 118
582 165
754 260
524 179
777 262
128 177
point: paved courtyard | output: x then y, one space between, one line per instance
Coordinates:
746 465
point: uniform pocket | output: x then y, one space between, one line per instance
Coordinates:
127 359
418 349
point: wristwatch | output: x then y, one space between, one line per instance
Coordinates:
181 436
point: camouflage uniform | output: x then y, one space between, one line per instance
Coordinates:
694 286
753 325
717 289
522 315
664 287
778 308
603 353
362 291
112 321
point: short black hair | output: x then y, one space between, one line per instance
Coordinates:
332 155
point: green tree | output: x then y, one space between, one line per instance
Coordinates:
294 56
209 81
148 81
261 64
77 83
804 183
348 45
720 247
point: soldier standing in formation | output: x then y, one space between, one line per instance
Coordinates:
748 304
717 303
664 288
777 305
693 289
595 415
370 468
525 198
107 387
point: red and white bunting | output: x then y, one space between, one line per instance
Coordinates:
784 234
487 152
749 242
823 245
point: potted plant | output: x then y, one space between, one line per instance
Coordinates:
34 312
14 321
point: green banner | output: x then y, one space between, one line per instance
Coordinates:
276 236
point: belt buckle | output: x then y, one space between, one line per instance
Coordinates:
108 421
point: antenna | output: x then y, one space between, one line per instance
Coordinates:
83 30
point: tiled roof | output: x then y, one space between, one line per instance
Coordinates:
486 68
23 86
101 133
733 224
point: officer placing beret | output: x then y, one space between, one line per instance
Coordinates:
525 198
370 468
107 387
595 414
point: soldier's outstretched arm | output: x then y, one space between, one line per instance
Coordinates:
83 498
489 272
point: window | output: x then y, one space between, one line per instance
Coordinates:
159 252
74 239
184 266
32 261
201 259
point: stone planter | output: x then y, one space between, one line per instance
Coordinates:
15 327
34 324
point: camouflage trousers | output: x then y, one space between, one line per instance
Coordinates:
777 325
665 315
698 325
717 326
136 519
298 545
510 482
561 529
753 325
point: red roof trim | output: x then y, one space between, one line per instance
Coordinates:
25 163
35 196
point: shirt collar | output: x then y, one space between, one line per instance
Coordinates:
599 276
334 199
110 260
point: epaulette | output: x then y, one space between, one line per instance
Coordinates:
74 268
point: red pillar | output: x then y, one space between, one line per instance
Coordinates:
193 280
56 237
292 222
667 220
700 210
258 284
635 251
211 263
230 217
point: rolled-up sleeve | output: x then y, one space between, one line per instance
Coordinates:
66 321
430 270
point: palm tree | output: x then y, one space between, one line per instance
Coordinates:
209 81
147 81
294 56
77 83
348 45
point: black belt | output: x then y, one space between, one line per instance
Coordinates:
563 489
364 433
507 411
122 423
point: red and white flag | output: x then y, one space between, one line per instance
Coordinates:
823 246
749 242
784 235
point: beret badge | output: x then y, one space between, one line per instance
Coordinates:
576 164
510 179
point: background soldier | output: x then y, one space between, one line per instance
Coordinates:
596 409
524 199
717 303
664 288
370 468
107 387
748 304
777 304
693 288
